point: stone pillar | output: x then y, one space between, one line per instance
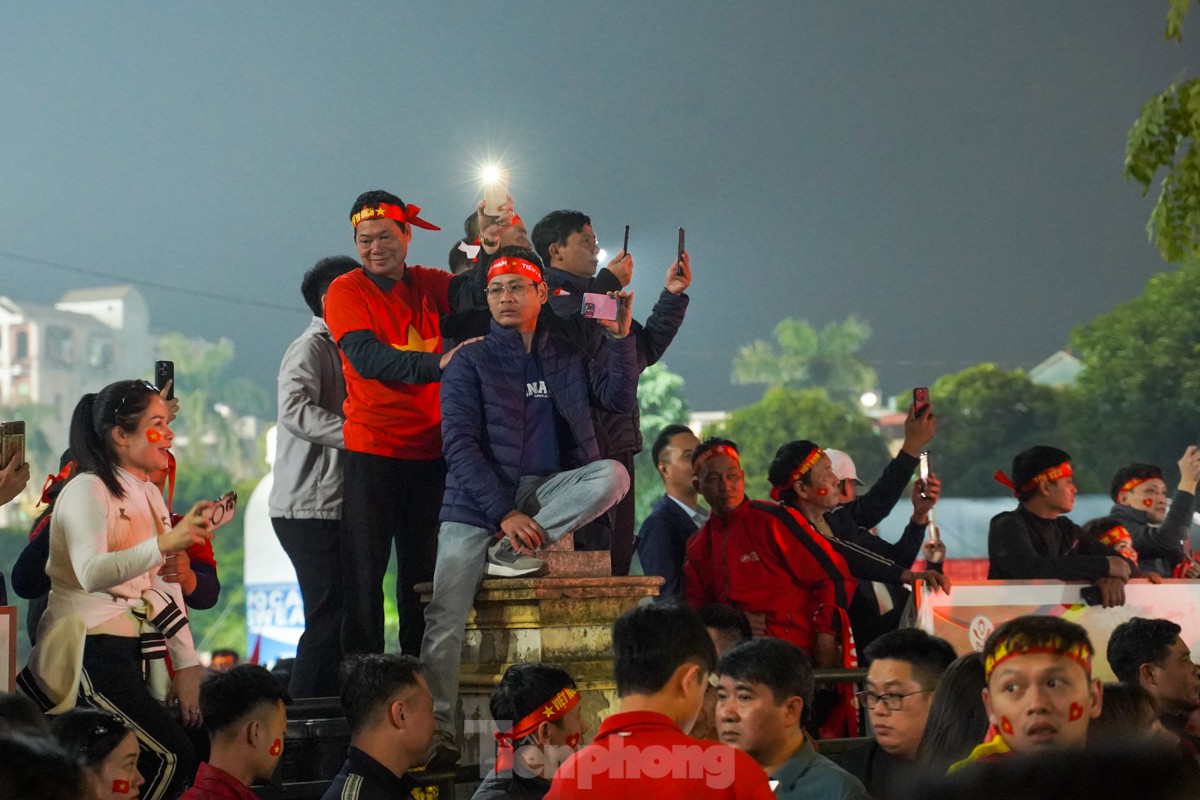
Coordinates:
564 618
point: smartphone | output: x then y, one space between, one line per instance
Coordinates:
625 247
164 371
924 468
599 306
495 192
222 510
12 442
920 400
679 253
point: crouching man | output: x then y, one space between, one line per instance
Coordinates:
520 447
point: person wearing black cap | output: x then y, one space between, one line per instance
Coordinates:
1140 503
1037 540
802 478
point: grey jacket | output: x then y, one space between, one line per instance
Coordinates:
309 444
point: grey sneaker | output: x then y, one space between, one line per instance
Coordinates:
443 753
504 562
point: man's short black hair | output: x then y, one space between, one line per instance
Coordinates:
36 766
928 655
525 687
375 197
1030 463
228 697
726 619
471 228
457 259
316 281
709 444
1132 472
1140 641
780 666
372 680
664 440
651 642
555 228
787 458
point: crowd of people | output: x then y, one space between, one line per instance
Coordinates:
468 420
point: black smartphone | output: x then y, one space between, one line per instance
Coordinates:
679 253
920 400
1091 595
165 371
625 247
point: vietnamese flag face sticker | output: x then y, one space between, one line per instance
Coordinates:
120 786
276 747
153 435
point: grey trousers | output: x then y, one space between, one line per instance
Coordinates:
560 503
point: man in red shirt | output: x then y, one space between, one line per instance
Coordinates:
764 559
245 712
385 319
662 661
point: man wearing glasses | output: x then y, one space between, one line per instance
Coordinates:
523 463
905 667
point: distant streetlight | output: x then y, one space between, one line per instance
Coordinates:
869 399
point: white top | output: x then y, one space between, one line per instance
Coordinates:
104 555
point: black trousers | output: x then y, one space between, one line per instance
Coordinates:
613 531
315 548
386 500
112 681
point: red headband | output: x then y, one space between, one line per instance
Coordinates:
54 480
510 265
1113 535
402 214
713 452
1133 483
554 708
1063 470
799 472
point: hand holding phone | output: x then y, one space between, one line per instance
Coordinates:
222 510
920 400
625 247
12 443
599 306
495 192
164 374
679 252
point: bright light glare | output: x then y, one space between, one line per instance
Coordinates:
869 399
603 256
490 173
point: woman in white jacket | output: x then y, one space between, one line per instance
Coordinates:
111 617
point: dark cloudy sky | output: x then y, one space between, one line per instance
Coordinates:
949 171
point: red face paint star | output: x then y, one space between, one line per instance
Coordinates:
1148 502
153 435
822 492
120 786
1006 726
573 741
276 748
1076 712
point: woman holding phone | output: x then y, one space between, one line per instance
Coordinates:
112 617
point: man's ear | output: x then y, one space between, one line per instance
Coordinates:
793 709
987 706
543 292
554 250
696 483
253 732
543 733
1096 695
396 711
1146 674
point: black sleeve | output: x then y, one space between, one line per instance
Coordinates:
467 289
873 507
208 588
374 360
606 282
1166 541
656 335
1013 556
29 578
661 554
866 555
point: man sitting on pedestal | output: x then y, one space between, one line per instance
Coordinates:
524 465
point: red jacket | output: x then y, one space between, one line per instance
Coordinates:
640 754
766 559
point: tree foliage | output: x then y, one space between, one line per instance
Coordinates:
1138 397
786 414
1164 136
662 402
803 357
986 415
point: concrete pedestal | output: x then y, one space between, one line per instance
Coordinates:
563 618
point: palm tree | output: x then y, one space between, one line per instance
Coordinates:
803 357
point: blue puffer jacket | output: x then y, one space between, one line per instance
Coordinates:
483 414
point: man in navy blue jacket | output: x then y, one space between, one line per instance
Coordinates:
523 463
662 540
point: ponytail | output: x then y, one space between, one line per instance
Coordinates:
118 404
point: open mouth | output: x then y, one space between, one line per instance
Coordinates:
1042 733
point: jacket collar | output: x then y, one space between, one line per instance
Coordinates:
362 764
795 767
556 277
509 339
318 326
631 721
1125 513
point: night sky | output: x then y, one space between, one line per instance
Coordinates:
951 172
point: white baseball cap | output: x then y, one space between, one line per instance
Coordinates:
843 466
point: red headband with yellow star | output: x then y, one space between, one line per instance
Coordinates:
510 265
713 452
798 473
1063 470
1079 652
402 214
553 709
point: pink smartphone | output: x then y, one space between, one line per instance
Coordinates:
599 306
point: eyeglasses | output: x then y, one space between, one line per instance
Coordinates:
890 700
515 289
137 386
